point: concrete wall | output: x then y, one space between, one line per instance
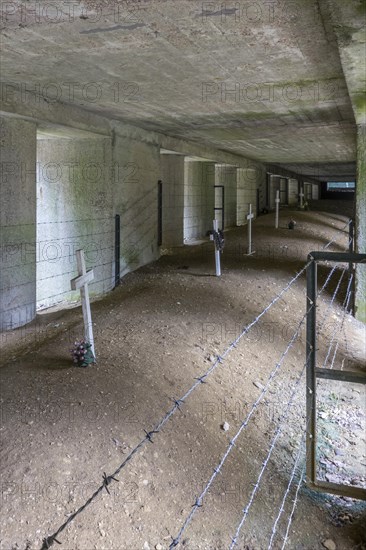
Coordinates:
274 187
135 198
172 175
199 198
226 175
17 223
293 191
247 184
74 211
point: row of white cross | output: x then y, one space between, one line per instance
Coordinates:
85 277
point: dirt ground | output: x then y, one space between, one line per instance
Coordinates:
62 427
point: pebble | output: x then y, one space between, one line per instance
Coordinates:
146 546
225 426
329 544
158 546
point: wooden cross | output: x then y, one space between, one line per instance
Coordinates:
250 216
277 201
81 282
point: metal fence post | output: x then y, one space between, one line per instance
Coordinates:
310 370
117 249
351 247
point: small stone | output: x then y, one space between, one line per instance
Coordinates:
329 544
146 546
225 426
258 385
158 546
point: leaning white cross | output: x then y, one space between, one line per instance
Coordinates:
277 201
250 216
81 282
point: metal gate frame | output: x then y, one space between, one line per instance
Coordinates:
313 373
222 207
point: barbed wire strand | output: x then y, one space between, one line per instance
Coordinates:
331 302
348 295
277 434
177 404
288 488
48 541
301 446
198 503
296 498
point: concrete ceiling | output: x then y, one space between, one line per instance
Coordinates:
171 66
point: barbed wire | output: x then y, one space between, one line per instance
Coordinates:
331 302
294 506
335 239
198 503
300 450
53 276
48 541
346 301
277 434
283 502
107 480
87 220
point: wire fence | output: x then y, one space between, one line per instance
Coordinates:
279 429
179 402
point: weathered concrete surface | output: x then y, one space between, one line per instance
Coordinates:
360 298
226 175
17 223
135 199
74 211
172 175
293 191
199 199
259 81
247 186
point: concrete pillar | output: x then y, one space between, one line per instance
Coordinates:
293 192
360 219
74 211
172 175
17 222
135 198
199 198
274 186
225 174
247 181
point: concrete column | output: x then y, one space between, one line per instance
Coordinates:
199 198
74 211
247 181
17 222
360 219
225 174
172 175
135 198
274 187
293 192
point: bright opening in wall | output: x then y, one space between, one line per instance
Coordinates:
347 186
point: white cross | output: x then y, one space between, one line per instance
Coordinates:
250 216
301 195
277 201
81 282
